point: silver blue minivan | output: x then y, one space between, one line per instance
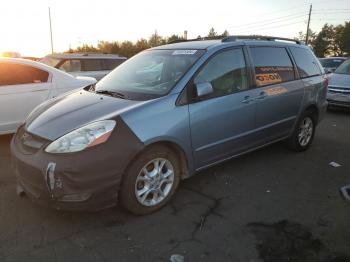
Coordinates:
164 115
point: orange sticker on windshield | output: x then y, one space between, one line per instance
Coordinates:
268 79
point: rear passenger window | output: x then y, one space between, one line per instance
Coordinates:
306 62
272 65
16 74
226 72
91 65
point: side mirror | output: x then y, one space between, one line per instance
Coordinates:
204 89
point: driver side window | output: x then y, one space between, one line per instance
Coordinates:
226 72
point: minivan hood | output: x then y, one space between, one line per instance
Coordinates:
341 80
59 116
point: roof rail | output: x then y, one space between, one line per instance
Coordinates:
196 39
183 40
232 38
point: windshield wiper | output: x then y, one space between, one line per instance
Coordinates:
111 93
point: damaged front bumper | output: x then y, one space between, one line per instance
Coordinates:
86 180
339 100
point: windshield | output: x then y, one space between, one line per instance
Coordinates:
49 61
344 68
332 63
150 74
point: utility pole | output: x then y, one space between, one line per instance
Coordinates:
308 26
50 31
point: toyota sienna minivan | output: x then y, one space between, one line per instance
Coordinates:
164 115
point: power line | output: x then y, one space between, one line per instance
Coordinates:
271 21
269 27
264 24
332 19
332 13
344 9
327 1
283 10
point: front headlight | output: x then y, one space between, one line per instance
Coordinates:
87 136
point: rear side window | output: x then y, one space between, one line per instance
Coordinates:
71 66
306 62
16 74
91 65
272 65
110 64
226 72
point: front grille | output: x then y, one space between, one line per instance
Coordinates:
339 90
30 177
29 143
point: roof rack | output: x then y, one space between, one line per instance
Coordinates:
196 39
232 38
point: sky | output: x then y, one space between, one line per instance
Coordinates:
24 24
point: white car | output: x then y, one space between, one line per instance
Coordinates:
24 84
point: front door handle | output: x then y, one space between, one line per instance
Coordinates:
247 100
262 95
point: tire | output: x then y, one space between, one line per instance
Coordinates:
142 176
295 141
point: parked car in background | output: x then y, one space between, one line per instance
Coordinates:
339 86
24 84
87 64
166 114
330 64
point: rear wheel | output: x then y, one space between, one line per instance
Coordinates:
151 181
304 132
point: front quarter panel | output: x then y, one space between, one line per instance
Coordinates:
162 121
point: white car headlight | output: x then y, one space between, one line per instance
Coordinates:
87 136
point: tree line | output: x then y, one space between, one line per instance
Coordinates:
332 40
129 48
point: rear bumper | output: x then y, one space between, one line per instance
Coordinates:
87 180
322 111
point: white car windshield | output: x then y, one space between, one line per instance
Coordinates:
149 74
344 68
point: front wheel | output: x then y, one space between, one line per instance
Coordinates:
304 132
151 180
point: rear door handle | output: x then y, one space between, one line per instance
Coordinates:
247 100
262 95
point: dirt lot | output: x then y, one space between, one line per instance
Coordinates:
271 205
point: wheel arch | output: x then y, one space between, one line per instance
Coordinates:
313 108
178 150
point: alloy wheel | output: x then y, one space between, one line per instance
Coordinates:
154 182
306 129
